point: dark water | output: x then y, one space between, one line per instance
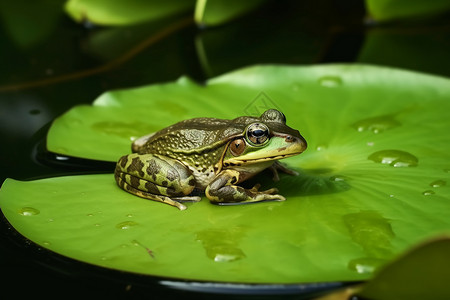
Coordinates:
47 71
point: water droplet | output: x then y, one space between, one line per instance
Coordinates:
222 245
330 81
129 215
226 254
428 193
376 124
370 144
126 225
28 211
447 170
365 265
50 220
394 158
45 243
338 178
97 224
372 232
90 215
321 147
438 183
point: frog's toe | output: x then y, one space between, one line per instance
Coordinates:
188 198
271 191
270 197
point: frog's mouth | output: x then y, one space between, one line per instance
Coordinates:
278 149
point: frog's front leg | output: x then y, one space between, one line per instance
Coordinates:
277 166
156 178
222 190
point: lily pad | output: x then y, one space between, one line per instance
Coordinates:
383 10
371 184
216 12
122 12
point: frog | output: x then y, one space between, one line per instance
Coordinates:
211 156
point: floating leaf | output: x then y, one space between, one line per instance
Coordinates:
399 48
120 12
353 207
397 9
215 12
20 19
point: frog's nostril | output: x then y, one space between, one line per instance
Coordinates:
289 139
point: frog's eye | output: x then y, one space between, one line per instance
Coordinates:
237 147
257 134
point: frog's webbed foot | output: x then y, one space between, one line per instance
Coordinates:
255 189
277 166
222 191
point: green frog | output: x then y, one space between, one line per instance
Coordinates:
210 155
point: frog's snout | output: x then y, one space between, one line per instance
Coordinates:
297 143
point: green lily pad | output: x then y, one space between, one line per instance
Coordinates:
383 10
120 12
371 184
216 12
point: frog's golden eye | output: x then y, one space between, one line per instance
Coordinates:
237 147
257 134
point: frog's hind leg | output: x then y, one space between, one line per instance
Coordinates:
146 195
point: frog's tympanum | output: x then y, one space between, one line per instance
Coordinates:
209 154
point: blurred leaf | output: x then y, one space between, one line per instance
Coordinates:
240 43
124 12
216 12
383 10
422 273
409 49
30 22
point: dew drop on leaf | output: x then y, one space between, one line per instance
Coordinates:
321 147
376 124
365 264
222 245
330 81
438 183
126 225
394 158
28 211
428 193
